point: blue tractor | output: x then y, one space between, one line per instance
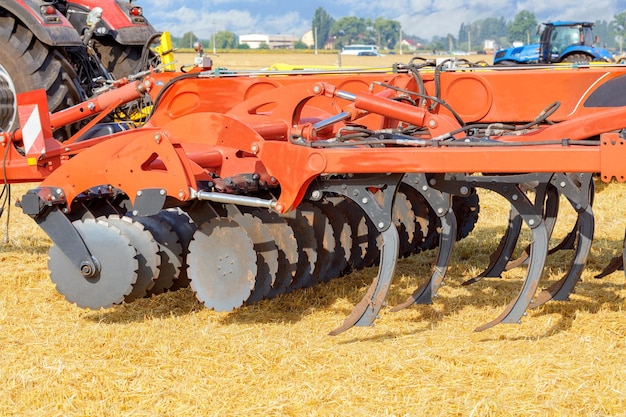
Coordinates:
559 42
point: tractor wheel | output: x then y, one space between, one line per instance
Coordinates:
32 65
122 60
8 102
578 59
508 63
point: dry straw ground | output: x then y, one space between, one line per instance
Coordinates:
168 356
257 61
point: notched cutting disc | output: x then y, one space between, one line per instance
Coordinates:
116 258
222 264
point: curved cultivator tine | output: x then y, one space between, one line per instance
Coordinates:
550 213
515 310
499 259
531 213
579 191
616 264
377 204
441 204
561 289
366 311
426 291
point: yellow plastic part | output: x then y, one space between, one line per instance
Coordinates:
166 51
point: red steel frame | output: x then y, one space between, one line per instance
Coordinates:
231 125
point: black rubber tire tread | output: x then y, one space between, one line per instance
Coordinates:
33 65
120 60
466 210
578 58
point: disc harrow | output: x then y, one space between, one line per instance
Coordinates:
247 186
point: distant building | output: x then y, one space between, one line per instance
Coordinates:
309 39
272 41
410 44
489 46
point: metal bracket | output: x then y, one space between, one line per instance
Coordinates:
35 201
149 201
612 156
377 205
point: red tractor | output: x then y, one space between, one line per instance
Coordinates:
68 48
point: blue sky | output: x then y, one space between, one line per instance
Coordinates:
424 18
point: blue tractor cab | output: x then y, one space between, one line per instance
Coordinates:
564 41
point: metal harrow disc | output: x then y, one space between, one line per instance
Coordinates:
404 218
307 250
112 253
427 222
418 211
267 255
343 238
222 264
171 253
287 247
184 228
325 239
147 254
358 230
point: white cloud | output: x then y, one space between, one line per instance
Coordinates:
424 18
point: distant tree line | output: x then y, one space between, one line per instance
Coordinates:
523 28
385 33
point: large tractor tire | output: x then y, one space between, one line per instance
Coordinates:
32 65
578 59
122 60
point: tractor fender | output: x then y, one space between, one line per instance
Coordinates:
117 21
55 32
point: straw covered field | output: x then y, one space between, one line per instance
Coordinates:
169 356
261 60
